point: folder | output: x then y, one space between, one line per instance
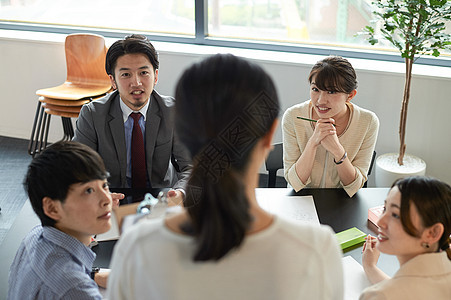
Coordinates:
350 237
374 213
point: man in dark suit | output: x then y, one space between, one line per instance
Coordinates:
108 125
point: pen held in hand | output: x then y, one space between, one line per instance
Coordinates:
307 119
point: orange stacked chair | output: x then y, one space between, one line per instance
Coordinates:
86 81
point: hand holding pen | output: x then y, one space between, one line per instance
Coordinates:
311 120
322 130
370 254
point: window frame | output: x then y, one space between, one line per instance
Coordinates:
201 37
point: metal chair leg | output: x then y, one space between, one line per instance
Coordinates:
40 130
34 139
71 129
42 144
272 178
67 128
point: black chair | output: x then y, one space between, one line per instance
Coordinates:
273 163
371 167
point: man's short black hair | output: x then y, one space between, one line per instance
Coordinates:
131 44
52 172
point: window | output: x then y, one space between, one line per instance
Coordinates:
154 16
321 27
314 22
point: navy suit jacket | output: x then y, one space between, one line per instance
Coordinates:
100 125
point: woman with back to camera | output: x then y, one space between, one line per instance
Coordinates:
415 226
335 149
223 245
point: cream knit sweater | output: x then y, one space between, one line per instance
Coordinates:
358 139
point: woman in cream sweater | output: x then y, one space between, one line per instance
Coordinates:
334 151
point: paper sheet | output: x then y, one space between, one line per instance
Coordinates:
113 233
355 280
101 289
301 208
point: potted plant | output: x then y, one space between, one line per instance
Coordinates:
415 28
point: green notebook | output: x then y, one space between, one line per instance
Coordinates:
350 237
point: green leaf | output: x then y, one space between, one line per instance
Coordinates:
435 53
437 2
369 29
373 41
412 26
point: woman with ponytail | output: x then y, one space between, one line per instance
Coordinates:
223 245
416 227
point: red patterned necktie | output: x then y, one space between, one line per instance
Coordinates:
138 154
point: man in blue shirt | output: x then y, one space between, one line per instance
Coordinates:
68 189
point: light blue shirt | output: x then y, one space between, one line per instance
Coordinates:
52 265
128 125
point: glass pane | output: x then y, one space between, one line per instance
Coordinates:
311 22
168 16
294 21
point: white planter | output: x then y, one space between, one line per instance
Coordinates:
388 169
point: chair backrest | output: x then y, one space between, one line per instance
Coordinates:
372 163
370 168
273 163
85 59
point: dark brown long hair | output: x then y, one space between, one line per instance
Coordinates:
225 104
334 73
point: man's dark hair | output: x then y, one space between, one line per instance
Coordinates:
131 44
53 171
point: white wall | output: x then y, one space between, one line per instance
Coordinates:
34 61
